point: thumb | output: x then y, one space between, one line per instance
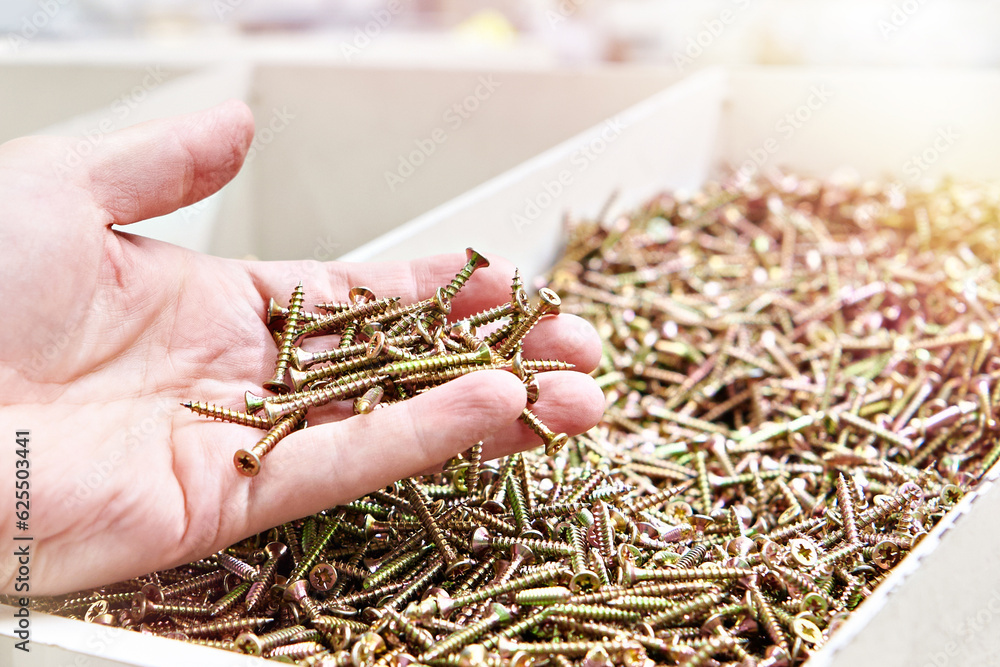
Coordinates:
160 166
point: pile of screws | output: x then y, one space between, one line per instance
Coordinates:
385 353
799 385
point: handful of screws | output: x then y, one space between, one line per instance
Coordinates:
386 353
800 383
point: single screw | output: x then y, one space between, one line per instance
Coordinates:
448 553
322 576
499 614
227 626
142 609
275 552
253 644
308 399
549 305
277 382
553 441
365 403
229 600
243 570
248 461
227 415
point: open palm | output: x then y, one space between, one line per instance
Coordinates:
106 333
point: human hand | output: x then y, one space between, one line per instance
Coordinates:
108 332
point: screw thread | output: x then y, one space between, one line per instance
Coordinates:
767 618
691 556
226 415
461 638
546 547
261 584
281 428
515 498
549 595
393 569
479 357
435 566
310 558
699 604
518 330
596 612
243 570
474 456
277 381
475 261
297 651
573 648
846 505
230 599
308 399
879 432
194 583
578 557
430 524
604 531
490 315
331 323
542 575
226 626
279 637
177 609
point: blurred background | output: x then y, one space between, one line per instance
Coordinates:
372 112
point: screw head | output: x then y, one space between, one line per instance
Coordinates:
550 301
273 311
584 580
140 609
441 301
480 542
359 295
249 643
322 576
557 442
521 300
813 603
297 590
275 550
473 655
885 554
99 608
460 565
480 262
253 401
247 463
526 555
807 630
803 552
153 593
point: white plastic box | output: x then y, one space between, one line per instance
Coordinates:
942 604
